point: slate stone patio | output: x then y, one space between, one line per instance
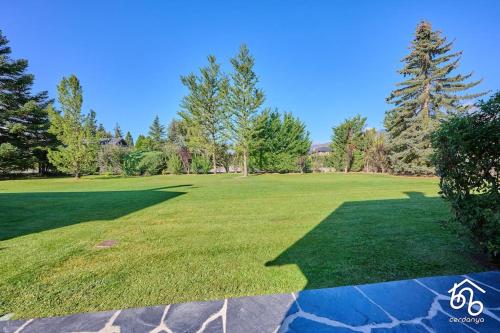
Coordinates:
420 305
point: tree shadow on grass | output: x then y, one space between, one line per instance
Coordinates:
26 213
378 240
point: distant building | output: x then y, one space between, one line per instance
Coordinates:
320 149
118 142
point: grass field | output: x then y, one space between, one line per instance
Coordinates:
184 238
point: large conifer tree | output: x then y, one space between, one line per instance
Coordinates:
429 92
23 116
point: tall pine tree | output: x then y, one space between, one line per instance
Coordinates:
244 100
429 93
203 108
77 153
23 117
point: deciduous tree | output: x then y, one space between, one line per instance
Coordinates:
203 108
77 153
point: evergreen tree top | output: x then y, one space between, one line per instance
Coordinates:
157 130
118 131
430 85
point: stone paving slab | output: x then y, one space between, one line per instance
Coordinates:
419 305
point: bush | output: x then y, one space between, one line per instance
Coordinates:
152 163
467 159
131 163
174 164
200 164
111 159
8 154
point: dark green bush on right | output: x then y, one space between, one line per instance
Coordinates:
467 159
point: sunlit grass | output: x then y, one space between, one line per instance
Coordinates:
184 238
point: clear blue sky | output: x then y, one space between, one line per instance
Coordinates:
322 60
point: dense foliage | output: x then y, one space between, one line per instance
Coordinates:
467 158
77 152
244 100
111 159
24 122
224 125
281 142
428 94
347 144
375 151
203 109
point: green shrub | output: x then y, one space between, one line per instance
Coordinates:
174 164
152 163
111 159
8 154
467 159
131 163
201 164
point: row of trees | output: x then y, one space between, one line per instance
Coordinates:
279 142
222 125
223 116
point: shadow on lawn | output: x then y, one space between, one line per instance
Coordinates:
373 241
26 213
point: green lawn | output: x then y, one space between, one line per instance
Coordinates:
184 238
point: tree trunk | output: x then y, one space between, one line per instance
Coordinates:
215 162
245 163
425 107
347 162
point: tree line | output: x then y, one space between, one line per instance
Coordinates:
223 125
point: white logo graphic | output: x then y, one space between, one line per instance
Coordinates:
458 300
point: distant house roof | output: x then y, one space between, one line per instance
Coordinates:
113 141
320 148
